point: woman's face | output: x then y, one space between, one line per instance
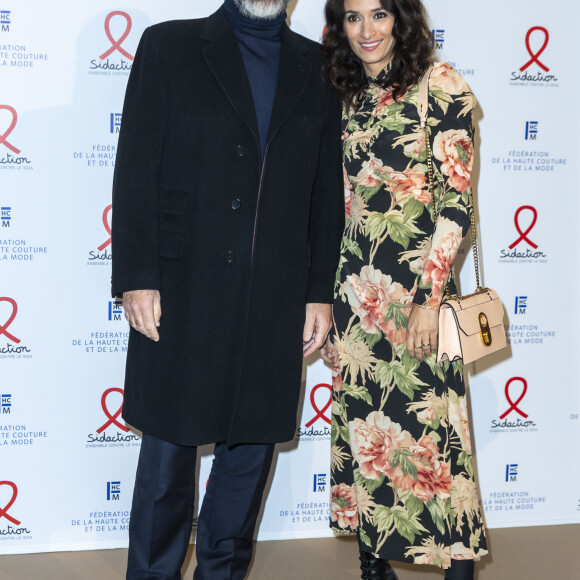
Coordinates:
369 29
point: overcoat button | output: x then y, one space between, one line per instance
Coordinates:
240 150
236 203
230 256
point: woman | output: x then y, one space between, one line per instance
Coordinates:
402 471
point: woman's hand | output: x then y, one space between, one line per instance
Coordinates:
422 332
325 351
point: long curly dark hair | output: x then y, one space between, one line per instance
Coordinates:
413 50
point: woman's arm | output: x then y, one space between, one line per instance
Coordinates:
451 107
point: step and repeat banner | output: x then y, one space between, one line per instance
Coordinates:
67 460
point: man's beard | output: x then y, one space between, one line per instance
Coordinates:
262 9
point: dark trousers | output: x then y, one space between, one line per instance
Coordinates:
163 503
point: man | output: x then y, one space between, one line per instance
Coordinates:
228 214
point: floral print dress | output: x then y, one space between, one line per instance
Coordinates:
402 471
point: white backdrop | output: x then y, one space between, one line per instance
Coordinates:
66 460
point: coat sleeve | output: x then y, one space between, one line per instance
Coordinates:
135 235
327 209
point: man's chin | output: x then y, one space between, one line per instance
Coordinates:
262 9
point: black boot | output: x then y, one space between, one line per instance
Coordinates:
460 570
375 568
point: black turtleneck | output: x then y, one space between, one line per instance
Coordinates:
260 42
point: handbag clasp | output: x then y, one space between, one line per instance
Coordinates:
485 331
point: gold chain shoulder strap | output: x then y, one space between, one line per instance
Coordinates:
423 110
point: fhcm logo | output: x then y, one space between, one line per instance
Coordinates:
5 20
113 490
531 130
6 404
319 482
5 217
115 310
438 38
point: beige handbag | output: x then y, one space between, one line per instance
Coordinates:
470 327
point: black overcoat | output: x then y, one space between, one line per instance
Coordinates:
236 246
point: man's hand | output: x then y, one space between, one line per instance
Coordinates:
143 311
316 328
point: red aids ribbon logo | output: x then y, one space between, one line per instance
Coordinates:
107 227
536 55
116 44
524 235
112 419
4 136
4 510
4 327
320 413
514 406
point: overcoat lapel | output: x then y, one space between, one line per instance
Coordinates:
224 58
295 70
